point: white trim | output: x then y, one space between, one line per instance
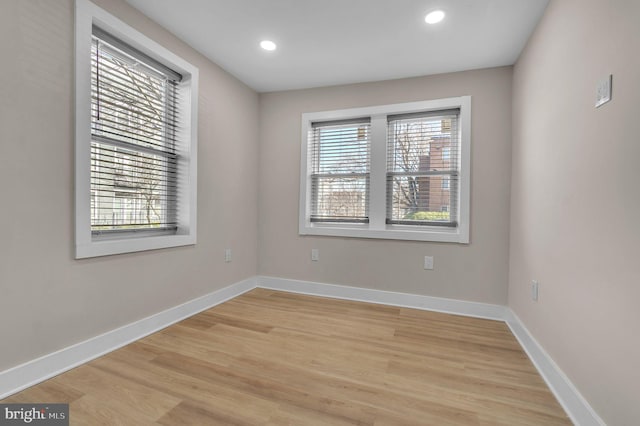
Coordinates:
377 205
377 176
405 300
30 373
86 15
578 409
33 372
391 232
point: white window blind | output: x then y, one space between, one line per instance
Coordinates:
134 175
423 168
339 157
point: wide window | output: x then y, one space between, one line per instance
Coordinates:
394 171
135 140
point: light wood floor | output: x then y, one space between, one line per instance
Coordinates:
282 359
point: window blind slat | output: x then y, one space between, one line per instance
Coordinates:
113 137
127 88
114 106
113 169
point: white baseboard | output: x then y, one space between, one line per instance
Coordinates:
405 300
578 409
32 372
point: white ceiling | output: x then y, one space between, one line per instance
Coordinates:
328 42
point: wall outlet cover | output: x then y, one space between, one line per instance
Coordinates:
428 262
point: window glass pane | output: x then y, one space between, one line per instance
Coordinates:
131 189
340 198
419 198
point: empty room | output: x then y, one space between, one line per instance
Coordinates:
338 212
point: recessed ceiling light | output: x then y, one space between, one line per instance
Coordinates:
434 17
268 45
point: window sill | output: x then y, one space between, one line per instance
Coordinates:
390 232
111 246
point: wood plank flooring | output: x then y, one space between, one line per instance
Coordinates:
274 358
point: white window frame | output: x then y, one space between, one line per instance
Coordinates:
377 227
87 15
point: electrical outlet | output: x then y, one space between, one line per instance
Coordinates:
534 290
227 255
428 262
315 255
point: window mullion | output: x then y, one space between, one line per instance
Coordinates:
377 182
131 146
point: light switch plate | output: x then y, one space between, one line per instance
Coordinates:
603 91
534 290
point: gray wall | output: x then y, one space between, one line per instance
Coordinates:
48 300
575 200
476 272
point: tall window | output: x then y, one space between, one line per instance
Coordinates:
393 171
133 139
340 171
136 139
